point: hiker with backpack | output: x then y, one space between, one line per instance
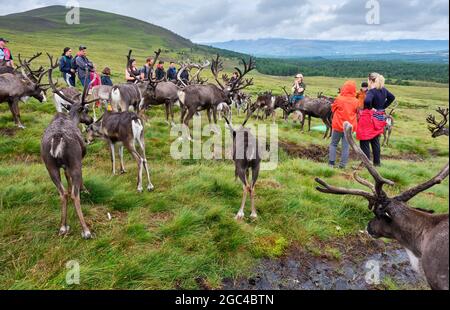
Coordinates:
81 63
65 66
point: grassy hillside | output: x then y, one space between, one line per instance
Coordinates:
183 235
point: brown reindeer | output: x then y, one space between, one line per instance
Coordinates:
436 128
63 147
246 156
424 235
210 97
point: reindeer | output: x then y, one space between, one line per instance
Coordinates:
390 122
210 97
195 78
125 128
63 147
15 87
246 156
315 108
424 236
438 129
241 101
62 105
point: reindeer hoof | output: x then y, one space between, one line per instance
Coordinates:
123 171
21 126
240 216
64 230
86 235
254 216
151 188
140 190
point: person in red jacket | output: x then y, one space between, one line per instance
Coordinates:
372 120
345 109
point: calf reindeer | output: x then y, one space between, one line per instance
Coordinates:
63 147
125 128
246 157
388 128
424 235
436 128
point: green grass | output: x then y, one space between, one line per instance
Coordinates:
186 230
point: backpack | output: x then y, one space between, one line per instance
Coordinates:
74 65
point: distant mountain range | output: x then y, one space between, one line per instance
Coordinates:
406 50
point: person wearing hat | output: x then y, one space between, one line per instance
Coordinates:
298 89
361 96
5 53
65 66
83 64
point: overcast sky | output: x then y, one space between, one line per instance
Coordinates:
223 20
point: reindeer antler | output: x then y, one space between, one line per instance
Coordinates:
216 68
377 194
434 124
240 84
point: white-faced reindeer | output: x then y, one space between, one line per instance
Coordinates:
209 97
390 123
19 86
63 147
436 128
126 129
246 156
424 235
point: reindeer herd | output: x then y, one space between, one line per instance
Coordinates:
63 146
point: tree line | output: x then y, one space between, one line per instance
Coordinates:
396 72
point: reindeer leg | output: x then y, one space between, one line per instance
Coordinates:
141 142
309 123
14 108
255 175
167 112
188 118
63 195
113 157
76 177
172 114
240 216
140 162
122 164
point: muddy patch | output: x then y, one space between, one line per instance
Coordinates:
359 260
312 152
8 132
319 153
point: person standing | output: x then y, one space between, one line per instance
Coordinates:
106 77
298 89
147 70
65 66
160 72
172 73
361 96
83 65
184 76
345 109
5 53
132 73
372 120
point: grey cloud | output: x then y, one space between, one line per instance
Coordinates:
222 20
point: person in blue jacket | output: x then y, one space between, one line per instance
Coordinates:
172 72
65 66
106 77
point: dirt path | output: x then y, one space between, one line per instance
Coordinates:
301 270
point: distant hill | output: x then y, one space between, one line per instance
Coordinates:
407 50
103 33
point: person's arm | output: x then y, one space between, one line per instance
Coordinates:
390 98
128 76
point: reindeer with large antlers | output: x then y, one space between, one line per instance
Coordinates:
436 128
16 87
246 156
63 147
210 97
424 235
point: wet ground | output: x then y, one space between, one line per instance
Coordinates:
360 260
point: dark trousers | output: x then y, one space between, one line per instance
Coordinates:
376 150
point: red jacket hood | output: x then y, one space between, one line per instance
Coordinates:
349 89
